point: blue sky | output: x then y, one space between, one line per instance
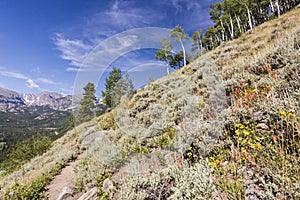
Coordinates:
46 44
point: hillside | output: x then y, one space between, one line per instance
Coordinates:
224 127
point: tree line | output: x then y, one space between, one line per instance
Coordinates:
231 19
234 17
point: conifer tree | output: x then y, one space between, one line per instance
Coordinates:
110 84
87 103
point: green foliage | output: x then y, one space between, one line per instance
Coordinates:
90 173
165 53
176 60
71 121
110 84
123 87
22 152
107 121
178 34
87 103
33 190
116 86
188 182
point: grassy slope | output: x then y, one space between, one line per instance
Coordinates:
249 84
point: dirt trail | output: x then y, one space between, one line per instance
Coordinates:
62 182
62 186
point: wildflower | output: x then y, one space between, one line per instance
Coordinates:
268 89
213 164
252 131
291 115
189 148
282 113
279 152
243 150
245 132
243 142
247 123
258 145
274 138
240 139
237 131
266 159
238 125
189 154
11 193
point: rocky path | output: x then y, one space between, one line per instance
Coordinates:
62 186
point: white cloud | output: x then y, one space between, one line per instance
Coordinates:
150 66
47 81
72 69
31 84
128 15
13 75
71 50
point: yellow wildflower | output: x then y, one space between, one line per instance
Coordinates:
243 150
258 145
282 113
190 148
243 142
240 139
189 154
237 131
291 115
245 132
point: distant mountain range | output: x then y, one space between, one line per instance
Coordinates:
11 101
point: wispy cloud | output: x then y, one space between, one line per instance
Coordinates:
13 75
128 15
72 69
31 84
47 81
72 50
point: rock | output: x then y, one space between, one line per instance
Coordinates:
66 192
108 185
89 195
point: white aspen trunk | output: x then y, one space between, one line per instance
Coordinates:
200 43
271 5
223 30
201 47
229 30
167 66
238 22
183 50
278 8
249 18
232 28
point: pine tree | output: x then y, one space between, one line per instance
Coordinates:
123 87
110 84
87 103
